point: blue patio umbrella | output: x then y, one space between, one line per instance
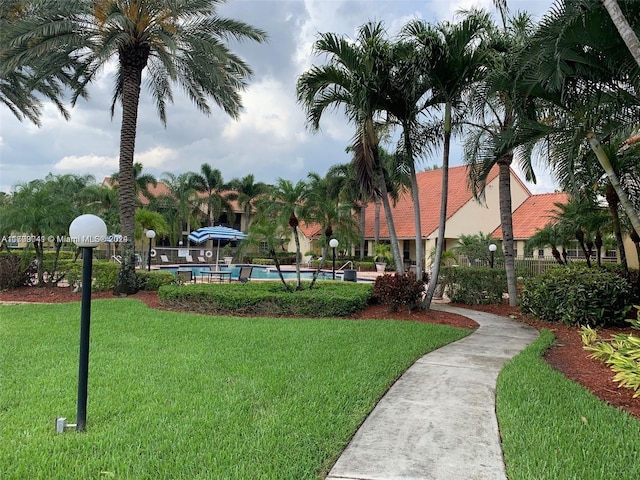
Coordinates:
219 232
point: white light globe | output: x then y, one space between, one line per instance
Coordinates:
88 231
151 234
333 243
493 247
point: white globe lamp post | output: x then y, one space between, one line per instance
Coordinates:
333 243
87 232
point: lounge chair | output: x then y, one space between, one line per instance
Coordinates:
189 258
164 258
186 275
307 261
202 259
244 275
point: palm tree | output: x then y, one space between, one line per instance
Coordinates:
578 66
44 209
141 181
454 64
343 187
23 84
585 177
496 102
210 182
180 42
406 97
182 201
353 79
284 205
550 236
575 217
324 208
622 25
265 232
246 191
149 220
476 248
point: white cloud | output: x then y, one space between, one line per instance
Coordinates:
157 157
269 109
270 139
449 10
85 163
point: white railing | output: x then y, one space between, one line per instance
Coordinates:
348 263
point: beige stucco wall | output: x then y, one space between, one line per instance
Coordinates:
631 253
476 217
305 243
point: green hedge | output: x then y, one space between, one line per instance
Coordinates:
577 295
326 299
105 275
474 285
154 279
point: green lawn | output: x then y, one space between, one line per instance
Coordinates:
181 396
555 429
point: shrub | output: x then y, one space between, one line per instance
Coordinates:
263 261
577 295
328 299
154 279
398 291
104 272
631 276
621 353
474 285
16 270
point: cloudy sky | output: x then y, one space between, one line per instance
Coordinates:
269 140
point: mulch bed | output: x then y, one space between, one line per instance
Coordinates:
567 355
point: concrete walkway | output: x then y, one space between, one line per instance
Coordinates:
438 420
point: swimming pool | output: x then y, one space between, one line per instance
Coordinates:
260 272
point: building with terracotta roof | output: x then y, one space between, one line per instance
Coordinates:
467 215
532 215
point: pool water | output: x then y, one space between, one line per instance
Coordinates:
260 272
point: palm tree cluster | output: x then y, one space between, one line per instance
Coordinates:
43 209
511 90
47 45
187 201
565 89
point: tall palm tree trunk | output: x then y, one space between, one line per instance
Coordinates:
247 213
612 205
596 146
363 224
376 222
132 78
415 198
435 270
384 197
296 239
39 248
506 219
626 32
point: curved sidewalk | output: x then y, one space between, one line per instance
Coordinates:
438 421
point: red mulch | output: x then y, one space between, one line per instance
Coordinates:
566 356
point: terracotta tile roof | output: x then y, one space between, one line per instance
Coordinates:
311 231
162 189
535 212
430 188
